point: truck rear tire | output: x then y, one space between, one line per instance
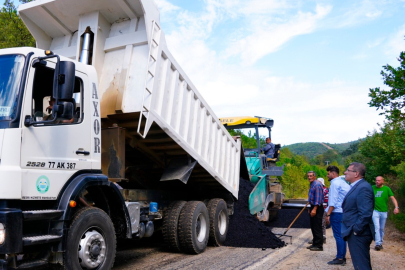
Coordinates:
91 242
170 225
219 222
194 226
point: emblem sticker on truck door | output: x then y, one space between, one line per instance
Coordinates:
43 184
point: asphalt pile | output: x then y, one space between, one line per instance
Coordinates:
286 216
245 230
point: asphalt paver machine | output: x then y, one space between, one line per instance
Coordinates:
266 197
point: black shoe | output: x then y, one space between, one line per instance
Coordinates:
324 239
336 261
311 242
378 247
316 249
381 247
311 246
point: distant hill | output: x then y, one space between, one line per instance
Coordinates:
312 149
340 146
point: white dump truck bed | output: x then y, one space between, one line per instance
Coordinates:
141 86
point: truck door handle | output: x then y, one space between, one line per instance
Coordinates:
82 152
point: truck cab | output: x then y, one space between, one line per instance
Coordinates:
49 134
48 142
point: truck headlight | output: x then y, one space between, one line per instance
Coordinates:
2 233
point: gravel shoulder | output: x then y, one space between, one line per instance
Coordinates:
297 256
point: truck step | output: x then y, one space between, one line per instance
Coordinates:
41 239
42 214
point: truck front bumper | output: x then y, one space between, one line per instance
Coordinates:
12 220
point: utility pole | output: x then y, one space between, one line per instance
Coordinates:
327 162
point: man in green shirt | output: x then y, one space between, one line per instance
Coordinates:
381 195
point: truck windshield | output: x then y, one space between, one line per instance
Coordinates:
10 78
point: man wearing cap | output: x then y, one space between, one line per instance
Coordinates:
337 192
315 198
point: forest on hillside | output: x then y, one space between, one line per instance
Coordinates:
312 149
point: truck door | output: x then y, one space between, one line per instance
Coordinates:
52 153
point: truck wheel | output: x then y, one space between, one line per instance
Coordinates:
170 225
91 241
219 222
194 226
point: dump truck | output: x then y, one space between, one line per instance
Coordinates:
266 197
102 137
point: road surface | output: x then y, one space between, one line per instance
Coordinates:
151 255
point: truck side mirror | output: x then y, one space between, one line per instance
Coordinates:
27 120
65 104
66 80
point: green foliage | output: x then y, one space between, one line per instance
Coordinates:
328 157
391 101
294 180
383 150
12 29
352 149
249 140
400 171
399 221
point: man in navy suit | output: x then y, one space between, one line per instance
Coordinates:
357 223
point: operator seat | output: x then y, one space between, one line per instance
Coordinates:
276 155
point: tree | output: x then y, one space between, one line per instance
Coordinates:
392 101
12 29
353 148
294 183
249 140
384 150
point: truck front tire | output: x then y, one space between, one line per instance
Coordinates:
194 227
170 225
219 221
91 242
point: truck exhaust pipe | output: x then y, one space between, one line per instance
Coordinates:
87 47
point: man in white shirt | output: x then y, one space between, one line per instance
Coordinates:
334 214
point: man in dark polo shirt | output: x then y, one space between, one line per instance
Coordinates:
316 198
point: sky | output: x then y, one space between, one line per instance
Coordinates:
308 65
